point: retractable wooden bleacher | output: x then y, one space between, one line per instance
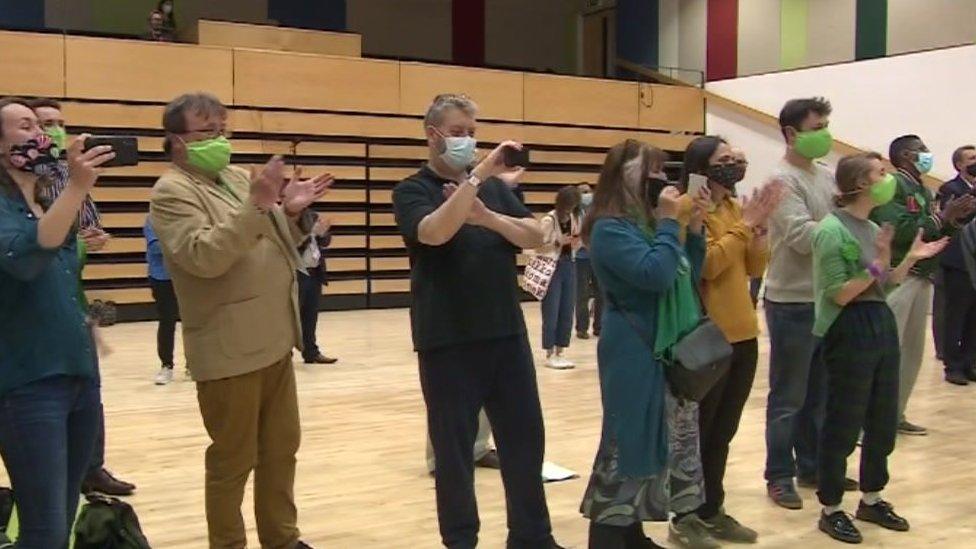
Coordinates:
358 118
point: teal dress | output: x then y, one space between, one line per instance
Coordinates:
648 460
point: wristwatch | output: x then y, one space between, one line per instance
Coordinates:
473 180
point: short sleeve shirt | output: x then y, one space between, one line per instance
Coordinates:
465 290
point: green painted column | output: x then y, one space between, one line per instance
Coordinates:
793 33
871 34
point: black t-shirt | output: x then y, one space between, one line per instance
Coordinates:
467 289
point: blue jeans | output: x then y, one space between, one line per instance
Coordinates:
47 435
558 305
797 392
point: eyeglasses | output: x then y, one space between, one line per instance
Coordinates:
210 133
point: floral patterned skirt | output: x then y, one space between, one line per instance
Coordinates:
615 500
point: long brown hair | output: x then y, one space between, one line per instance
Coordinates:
567 201
627 163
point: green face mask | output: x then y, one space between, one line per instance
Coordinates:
58 136
210 155
883 190
814 144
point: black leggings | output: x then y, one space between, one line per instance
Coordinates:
169 313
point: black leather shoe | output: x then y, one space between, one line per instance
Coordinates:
102 482
321 359
840 527
882 514
489 461
850 485
582 335
957 378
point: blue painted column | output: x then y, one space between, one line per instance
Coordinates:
319 15
637 31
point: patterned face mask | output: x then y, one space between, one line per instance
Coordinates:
34 155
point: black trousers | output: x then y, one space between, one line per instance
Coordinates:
959 347
169 312
861 354
587 287
457 381
938 313
718 420
309 299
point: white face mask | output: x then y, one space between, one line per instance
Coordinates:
458 151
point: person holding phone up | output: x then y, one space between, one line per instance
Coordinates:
49 397
463 228
736 251
560 229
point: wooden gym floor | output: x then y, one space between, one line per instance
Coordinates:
362 481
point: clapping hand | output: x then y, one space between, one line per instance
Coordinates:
882 243
300 194
267 182
763 202
959 208
924 250
94 238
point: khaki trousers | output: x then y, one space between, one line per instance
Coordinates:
910 303
253 424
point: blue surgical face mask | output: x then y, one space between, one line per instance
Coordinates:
458 151
924 162
586 199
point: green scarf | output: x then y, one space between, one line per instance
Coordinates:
678 311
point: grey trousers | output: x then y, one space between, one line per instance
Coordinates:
481 444
910 302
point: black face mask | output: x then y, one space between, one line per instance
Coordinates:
726 175
651 190
971 170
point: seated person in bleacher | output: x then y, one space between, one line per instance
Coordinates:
229 238
158 31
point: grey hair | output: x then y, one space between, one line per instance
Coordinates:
202 103
445 101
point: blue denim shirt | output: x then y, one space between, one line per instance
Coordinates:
154 254
43 331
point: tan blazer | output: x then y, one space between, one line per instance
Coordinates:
233 269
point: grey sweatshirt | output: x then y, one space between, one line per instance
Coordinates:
808 198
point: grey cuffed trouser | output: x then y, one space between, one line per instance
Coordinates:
910 303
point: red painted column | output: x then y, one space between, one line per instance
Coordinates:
468 31
721 58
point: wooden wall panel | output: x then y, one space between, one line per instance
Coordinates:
102 68
278 79
562 99
497 93
672 108
33 64
268 37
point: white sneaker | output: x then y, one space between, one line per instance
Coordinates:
567 363
557 362
165 376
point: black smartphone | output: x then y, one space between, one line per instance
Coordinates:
126 148
515 157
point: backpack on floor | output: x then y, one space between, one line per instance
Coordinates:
108 523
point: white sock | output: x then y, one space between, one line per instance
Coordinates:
831 509
871 498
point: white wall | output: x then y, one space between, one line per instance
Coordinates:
928 93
